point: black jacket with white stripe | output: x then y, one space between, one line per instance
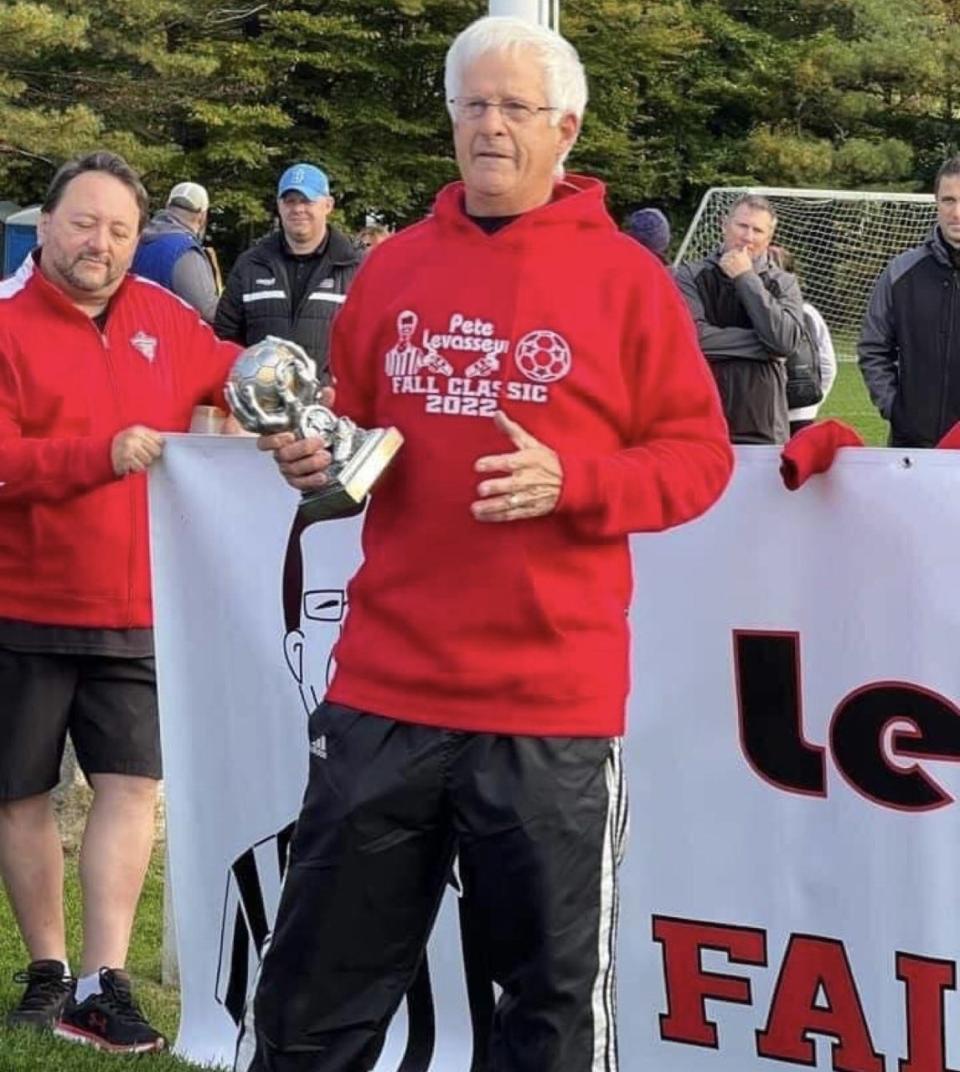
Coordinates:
909 349
272 291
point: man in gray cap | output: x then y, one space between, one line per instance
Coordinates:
171 251
292 282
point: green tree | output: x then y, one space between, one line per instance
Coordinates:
34 132
684 94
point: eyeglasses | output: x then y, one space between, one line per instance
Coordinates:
515 112
325 604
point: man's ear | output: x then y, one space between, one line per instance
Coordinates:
293 653
569 127
42 226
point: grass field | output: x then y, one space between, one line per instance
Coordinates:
849 402
24 1052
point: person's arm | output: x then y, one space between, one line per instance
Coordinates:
679 458
193 281
777 320
825 352
877 352
717 343
350 362
54 468
229 322
204 361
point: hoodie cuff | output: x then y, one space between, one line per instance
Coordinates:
94 464
813 450
579 492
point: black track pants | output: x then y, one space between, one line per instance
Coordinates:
537 825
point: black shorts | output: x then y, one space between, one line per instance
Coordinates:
108 705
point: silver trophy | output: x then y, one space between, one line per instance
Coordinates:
273 387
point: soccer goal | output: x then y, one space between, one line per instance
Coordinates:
841 241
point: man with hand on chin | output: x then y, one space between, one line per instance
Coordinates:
749 317
478 701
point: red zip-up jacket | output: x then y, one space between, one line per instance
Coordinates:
73 536
580 335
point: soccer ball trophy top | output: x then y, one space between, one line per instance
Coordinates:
273 387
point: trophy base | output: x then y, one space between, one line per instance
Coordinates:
350 483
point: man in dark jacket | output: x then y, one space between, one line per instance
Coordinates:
909 350
171 252
292 282
749 317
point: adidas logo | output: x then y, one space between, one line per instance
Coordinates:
318 746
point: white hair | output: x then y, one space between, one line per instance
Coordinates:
563 75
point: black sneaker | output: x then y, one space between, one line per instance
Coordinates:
110 1020
48 991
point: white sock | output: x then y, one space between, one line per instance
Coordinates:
88 985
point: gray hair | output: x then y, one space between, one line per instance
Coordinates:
755 201
563 75
108 163
949 169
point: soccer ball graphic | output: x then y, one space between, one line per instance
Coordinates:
543 356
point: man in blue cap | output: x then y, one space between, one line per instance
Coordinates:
292 282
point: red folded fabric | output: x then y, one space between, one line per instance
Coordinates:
813 449
951 441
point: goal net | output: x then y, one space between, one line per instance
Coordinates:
841 240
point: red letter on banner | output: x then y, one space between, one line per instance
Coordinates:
925 980
687 985
811 967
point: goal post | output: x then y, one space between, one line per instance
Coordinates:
542 12
840 239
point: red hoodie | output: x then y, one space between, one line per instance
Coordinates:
580 335
73 537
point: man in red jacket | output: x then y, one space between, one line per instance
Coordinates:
478 702
95 365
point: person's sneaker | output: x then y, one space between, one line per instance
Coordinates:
110 1020
47 993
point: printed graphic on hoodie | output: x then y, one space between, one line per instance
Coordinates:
466 368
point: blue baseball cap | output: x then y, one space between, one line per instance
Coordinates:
305 179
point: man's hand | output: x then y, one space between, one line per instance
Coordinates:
303 462
735 262
135 449
231 426
533 485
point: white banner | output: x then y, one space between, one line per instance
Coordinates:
788 898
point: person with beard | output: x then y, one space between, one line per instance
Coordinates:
908 351
749 317
95 365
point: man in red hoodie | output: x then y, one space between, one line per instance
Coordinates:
560 403
94 365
